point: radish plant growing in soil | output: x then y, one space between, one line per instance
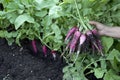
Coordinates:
63 26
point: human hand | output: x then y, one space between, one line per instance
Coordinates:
100 27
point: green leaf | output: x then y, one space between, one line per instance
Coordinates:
21 19
18 38
65 69
73 69
57 32
114 57
107 42
46 22
93 60
40 4
118 46
76 76
10 41
103 64
54 11
12 17
99 72
12 6
49 39
56 46
14 34
114 65
111 75
91 0
2 34
86 11
41 13
68 1
67 76
26 2
114 54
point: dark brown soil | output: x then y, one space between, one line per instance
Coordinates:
16 63
20 63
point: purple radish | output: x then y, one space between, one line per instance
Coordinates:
91 36
89 33
74 41
44 49
95 34
100 46
98 42
54 54
34 46
82 39
94 31
70 32
94 40
85 47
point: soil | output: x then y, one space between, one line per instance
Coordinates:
21 63
17 63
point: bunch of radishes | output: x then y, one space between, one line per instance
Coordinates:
79 42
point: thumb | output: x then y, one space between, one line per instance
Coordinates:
94 23
97 25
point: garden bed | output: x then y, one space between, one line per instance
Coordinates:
58 26
17 63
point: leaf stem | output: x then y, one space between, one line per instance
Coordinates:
48 35
88 25
93 63
80 16
43 42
